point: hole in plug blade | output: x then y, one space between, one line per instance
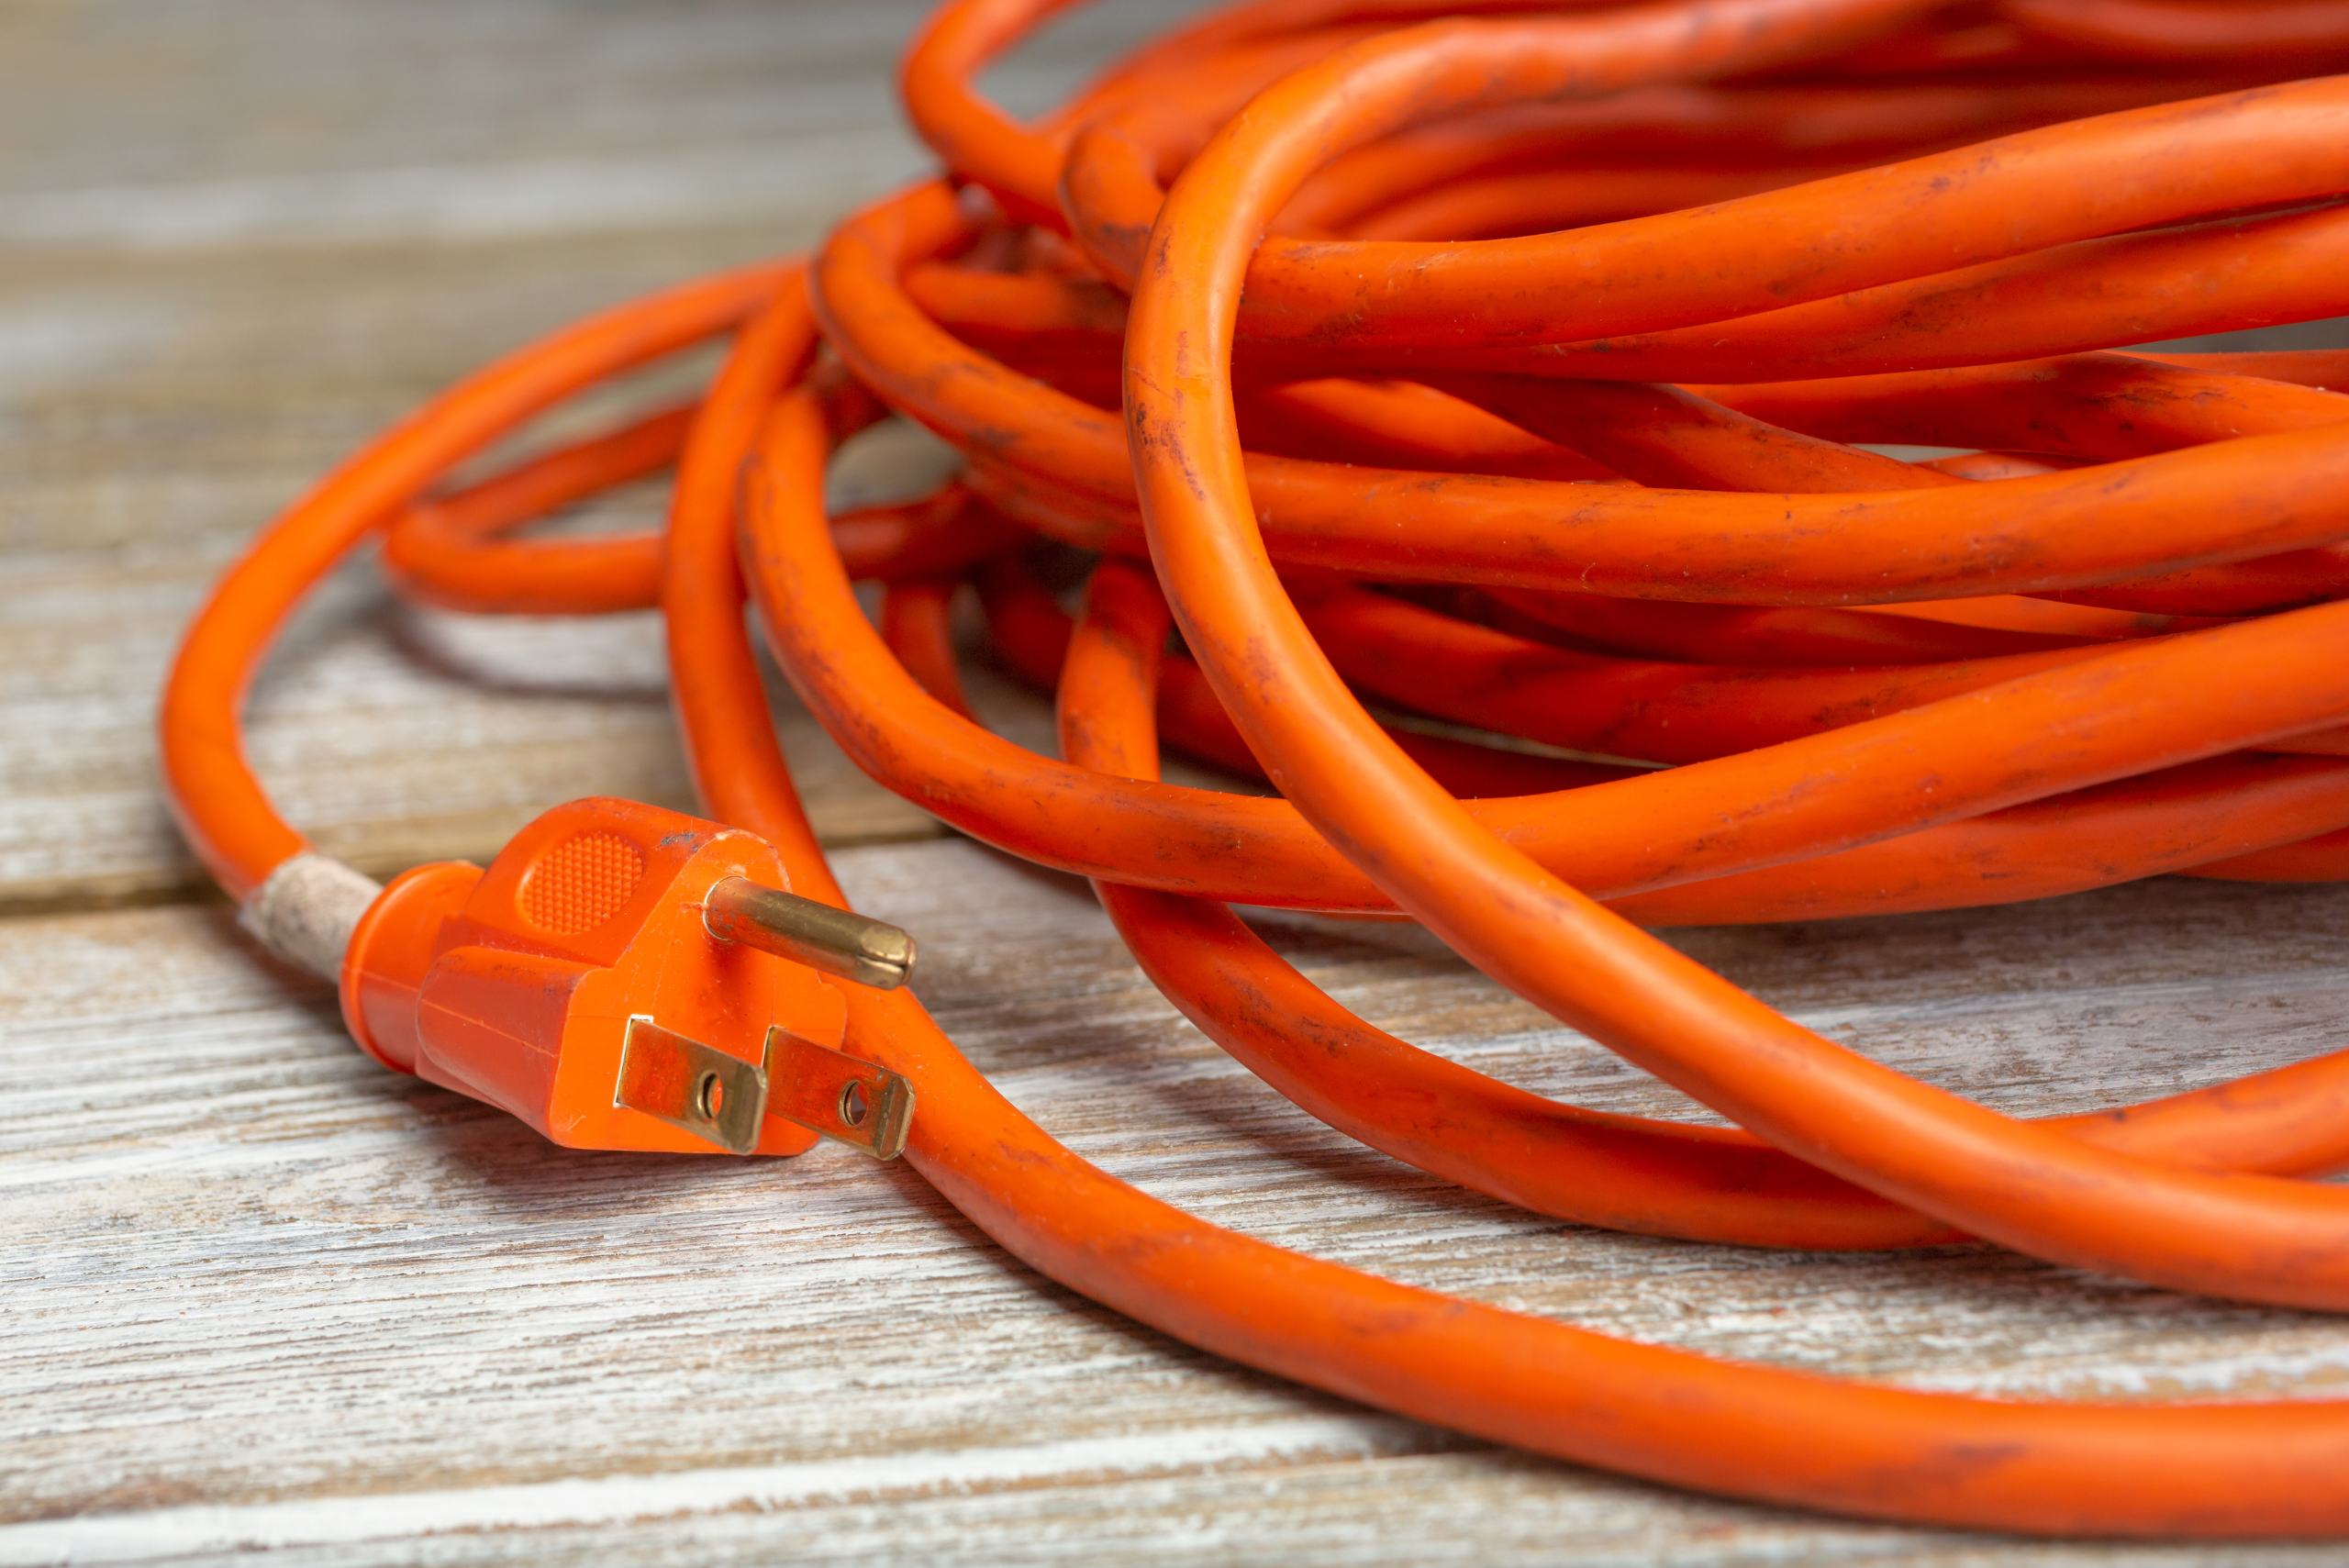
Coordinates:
855 1103
710 1096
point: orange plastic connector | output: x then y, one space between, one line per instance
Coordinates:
574 982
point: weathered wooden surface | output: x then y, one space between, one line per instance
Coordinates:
238 237
250 1276
258 1297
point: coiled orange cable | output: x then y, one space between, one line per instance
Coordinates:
1368 343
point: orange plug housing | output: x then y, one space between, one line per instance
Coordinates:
578 958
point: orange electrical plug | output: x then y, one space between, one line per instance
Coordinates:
624 976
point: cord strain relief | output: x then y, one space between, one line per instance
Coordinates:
305 911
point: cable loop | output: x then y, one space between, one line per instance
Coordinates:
1468 426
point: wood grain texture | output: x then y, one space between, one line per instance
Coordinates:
238 237
258 1297
260 1291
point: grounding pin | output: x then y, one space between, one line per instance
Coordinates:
842 1096
837 941
687 1085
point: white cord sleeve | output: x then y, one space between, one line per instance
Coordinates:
306 911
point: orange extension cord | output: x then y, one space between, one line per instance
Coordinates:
1508 369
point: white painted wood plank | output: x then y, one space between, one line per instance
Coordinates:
640 116
1322 1507
823 173
391 735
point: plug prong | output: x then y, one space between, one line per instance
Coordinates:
844 1097
715 1096
838 942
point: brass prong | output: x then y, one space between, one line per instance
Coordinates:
838 942
842 1096
715 1096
